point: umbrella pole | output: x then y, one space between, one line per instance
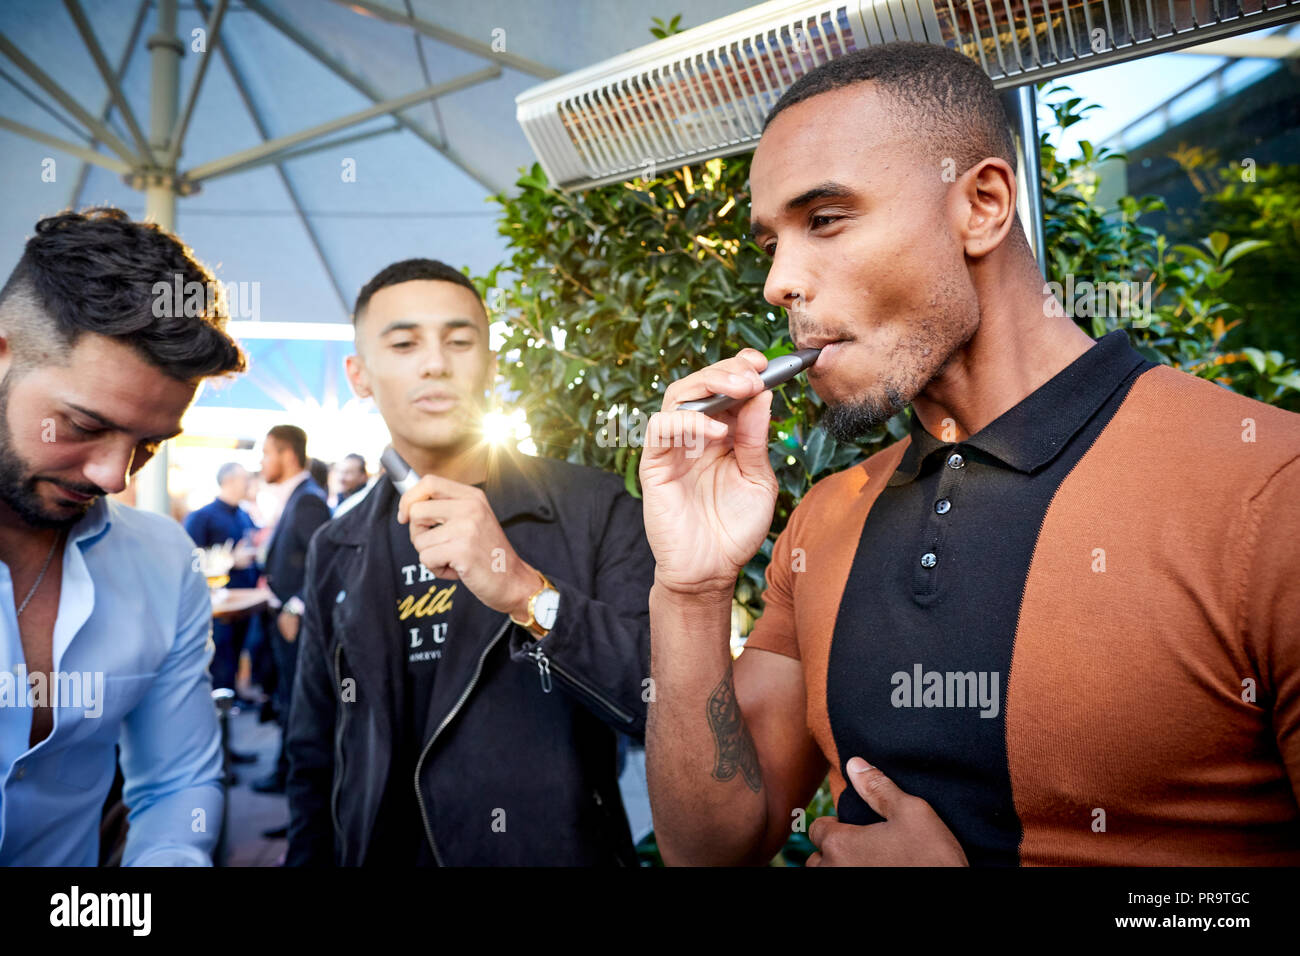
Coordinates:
165 51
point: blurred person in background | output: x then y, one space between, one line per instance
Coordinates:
355 483
217 523
96 371
333 486
320 473
285 466
260 671
352 476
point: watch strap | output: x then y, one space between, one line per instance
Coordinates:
532 624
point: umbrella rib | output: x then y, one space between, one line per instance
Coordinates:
365 89
107 109
452 38
284 143
183 121
43 80
238 77
45 107
81 152
284 157
106 71
424 71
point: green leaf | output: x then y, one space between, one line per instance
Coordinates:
1257 358
1217 242
1241 248
752 337
1192 251
630 479
818 452
1291 380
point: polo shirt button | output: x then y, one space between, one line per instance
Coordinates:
955 460
942 505
928 559
20 773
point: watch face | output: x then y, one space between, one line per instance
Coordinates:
545 607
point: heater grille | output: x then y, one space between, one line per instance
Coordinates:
705 92
1025 40
701 101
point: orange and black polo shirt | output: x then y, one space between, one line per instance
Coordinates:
1076 633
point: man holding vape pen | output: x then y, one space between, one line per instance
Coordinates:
470 648
1055 625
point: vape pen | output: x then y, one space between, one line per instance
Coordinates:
400 473
779 370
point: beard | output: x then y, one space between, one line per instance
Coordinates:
849 421
18 483
920 358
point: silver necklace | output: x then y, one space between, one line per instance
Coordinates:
40 577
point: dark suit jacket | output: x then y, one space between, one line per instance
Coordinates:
286 557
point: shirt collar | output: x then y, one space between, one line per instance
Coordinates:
1029 435
95 523
286 487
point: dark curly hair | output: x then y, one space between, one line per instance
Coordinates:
96 271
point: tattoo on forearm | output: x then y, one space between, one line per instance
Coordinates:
735 746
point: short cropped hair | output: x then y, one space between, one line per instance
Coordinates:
294 437
409 270
226 470
941 94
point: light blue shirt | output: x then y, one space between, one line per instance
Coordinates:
134 620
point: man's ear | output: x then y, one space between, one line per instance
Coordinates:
6 354
986 206
355 368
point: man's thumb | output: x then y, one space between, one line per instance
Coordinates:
879 792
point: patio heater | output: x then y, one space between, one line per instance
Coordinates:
705 92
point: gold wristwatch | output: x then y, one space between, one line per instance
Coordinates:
543 605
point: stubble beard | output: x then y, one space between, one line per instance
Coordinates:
17 484
849 421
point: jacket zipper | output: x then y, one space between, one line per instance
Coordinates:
338 754
544 667
478 670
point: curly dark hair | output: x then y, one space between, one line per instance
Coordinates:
409 270
941 94
96 271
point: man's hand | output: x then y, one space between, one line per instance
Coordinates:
707 484
912 834
458 538
288 624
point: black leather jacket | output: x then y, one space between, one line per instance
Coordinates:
517 765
